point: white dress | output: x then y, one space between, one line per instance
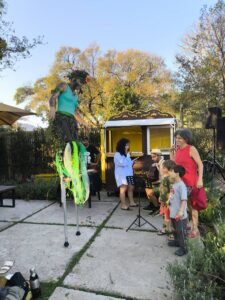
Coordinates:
123 168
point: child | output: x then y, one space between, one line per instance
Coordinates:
164 191
178 209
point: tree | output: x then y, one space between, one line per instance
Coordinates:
201 75
12 47
126 80
124 98
145 73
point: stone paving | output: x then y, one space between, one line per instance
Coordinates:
68 294
115 264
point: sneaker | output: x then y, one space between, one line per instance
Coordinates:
173 243
180 252
148 207
170 237
154 211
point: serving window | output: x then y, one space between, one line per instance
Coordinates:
133 134
159 138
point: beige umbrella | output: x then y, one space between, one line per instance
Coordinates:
9 114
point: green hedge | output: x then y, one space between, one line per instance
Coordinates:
40 189
24 154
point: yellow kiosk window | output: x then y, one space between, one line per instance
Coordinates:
133 134
159 138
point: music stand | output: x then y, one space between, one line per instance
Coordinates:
139 183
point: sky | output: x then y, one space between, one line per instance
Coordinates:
155 26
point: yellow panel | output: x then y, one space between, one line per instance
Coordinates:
102 155
133 134
159 138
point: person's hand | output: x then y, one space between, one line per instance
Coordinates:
135 159
173 149
51 114
179 215
156 182
199 183
93 165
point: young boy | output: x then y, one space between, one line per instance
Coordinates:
178 209
164 191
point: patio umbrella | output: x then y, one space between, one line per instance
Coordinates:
9 114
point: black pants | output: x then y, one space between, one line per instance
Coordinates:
95 183
180 232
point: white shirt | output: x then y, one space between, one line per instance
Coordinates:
123 168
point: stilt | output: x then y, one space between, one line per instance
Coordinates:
68 165
77 217
63 201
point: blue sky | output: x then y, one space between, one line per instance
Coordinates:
156 26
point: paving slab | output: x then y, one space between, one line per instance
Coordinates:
4 225
22 209
68 294
87 216
104 196
131 264
123 218
41 246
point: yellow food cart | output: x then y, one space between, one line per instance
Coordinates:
146 130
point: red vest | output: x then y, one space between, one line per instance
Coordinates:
184 159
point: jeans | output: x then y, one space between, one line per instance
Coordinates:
180 232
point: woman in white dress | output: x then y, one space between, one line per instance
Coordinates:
124 168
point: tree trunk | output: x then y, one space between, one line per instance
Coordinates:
181 115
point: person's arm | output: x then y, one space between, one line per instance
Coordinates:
183 204
53 99
119 160
80 119
181 210
134 160
98 157
195 155
156 182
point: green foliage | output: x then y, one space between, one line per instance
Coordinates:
201 63
12 47
125 80
123 99
202 140
22 93
24 154
215 211
202 274
40 189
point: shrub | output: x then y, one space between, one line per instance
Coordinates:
202 140
202 275
215 211
40 189
26 153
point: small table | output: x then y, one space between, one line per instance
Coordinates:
6 188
